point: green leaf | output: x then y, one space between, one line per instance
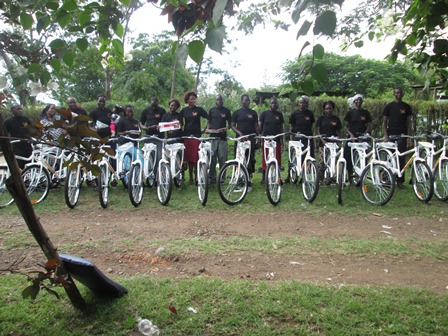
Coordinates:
359 44
118 48
31 291
126 2
57 44
63 19
196 50
440 47
285 3
308 86
218 11
215 38
26 20
33 68
42 23
45 77
69 57
84 18
319 73
318 51
304 28
293 95
82 44
298 9
119 30
56 65
371 35
70 5
325 23
52 5
306 44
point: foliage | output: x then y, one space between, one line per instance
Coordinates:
348 75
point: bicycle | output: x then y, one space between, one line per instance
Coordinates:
335 166
233 177
376 180
421 175
273 181
302 164
440 167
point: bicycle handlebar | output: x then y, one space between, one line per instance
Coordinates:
241 138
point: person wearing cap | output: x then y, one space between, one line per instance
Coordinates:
357 121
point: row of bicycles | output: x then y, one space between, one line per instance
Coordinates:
134 165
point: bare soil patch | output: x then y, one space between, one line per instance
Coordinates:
95 236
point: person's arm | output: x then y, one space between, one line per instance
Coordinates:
233 126
369 127
385 123
347 128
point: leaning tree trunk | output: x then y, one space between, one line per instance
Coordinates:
18 191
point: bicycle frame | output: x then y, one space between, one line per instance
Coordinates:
299 152
336 157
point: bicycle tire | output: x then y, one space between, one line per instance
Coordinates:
293 177
5 197
127 162
151 179
103 186
233 182
441 180
341 175
356 160
135 186
377 184
273 184
422 181
310 181
164 185
203 183
178 178
72 186
37 182
385 155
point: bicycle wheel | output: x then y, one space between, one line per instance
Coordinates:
5 197
178 178
356 160
71 187
233 181
385 155
135 187
103 186
377 184
124 176
310 181
341 181
293 167
164 185
273 183
37 182
202 182
151 179
422 181
441 181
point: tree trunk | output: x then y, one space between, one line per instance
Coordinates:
108 83
17 189
173 77
198 73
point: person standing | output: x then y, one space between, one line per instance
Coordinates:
302 120
151 116
397 120
173 115
101 117
244 122
190 117
128 125
271 123
219 119
17 127
47 119
357 121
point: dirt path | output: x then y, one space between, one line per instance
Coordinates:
126 243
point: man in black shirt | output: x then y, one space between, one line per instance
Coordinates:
219 119
101 117
397 120
17 127
150 118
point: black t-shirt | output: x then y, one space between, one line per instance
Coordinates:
17 128
128 125
245 120
398 114
168 117
302 121
271 122
219 117
152 117
191 119
328 125
358 120
103 116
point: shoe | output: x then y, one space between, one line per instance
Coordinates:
249 186
262 179
287 180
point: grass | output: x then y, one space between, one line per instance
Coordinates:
229 308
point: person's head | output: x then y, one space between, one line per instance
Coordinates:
398 93
48 112
174 104
154 102
16 110
273 104
357 100
303 102
329 107
219 101
245 100
71 101
129 111
190 98
101 101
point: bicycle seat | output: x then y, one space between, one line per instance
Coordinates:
126 146
149 147
296 143
425 144
205 144
388 145
175 146
362 145
332 145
